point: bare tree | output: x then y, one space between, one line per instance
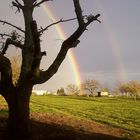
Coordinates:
61 92
18 96
72 89
134 88
91 86
124 89
131 88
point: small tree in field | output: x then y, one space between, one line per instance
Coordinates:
61 92
91 86
134 89
18 95
131 88
124 89
72 89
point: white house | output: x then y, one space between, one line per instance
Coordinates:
104 93
43 92
39 92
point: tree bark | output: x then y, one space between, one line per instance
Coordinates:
18 121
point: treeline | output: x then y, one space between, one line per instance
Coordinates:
92 87
128 89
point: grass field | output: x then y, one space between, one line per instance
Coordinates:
119 112
122 113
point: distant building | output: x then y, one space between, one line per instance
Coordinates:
43 92
103 93
39 92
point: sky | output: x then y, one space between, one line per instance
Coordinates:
109 52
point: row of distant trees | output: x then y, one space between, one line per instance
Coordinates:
91 87
71 89
128 89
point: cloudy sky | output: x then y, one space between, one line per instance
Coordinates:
109 52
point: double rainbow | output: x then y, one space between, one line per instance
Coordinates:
72 59
113 43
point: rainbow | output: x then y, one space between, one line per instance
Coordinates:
62 36
113 44
116 52
112 40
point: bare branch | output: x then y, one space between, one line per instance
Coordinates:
39 3
13 38
5 22
80 17
20 37
46 75
60 21
18 5
70 42
92 18
7 35
78 12
9 41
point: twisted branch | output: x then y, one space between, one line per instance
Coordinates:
9 41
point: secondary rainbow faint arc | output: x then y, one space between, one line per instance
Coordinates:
112 39
63 37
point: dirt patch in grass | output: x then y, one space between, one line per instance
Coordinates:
45 126
53 126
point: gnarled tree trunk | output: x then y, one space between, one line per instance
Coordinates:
18 96
18 104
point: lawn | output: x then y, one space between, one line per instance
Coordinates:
119 112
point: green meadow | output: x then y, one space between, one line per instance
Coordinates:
118 112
